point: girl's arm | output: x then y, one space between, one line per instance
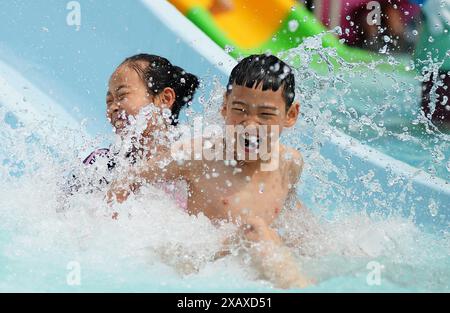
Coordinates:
166 166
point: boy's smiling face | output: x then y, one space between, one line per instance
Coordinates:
254 107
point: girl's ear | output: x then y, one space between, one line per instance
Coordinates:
292 114
168 97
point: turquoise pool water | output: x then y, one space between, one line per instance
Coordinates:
383 225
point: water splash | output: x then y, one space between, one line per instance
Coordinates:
154 245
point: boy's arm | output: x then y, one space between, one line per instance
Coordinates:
161 167
295 170
274 260
301 221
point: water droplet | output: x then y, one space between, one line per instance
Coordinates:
229 49
261 188
207 144
166 113
383 50
433 208
237 170
293 25
365 120
275 68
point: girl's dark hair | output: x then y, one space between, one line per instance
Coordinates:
158 73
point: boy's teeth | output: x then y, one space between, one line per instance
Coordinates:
251 142
253 139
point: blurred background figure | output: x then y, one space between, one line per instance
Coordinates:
383 25
434 44
221 6
418 28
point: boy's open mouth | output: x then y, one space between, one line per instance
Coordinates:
250 143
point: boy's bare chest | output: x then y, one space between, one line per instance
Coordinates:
231 197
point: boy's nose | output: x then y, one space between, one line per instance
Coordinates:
252 122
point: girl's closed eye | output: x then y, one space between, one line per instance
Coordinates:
123 96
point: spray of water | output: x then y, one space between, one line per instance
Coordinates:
155 245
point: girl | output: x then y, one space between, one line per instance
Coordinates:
140 80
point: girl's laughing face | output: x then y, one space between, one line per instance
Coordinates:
128 94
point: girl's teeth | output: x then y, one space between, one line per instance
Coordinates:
118 123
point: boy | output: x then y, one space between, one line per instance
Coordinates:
260 96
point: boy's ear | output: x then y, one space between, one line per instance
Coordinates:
292 114
168 97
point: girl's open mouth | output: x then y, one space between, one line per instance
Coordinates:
119 123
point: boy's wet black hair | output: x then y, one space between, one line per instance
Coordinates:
158 73
267 70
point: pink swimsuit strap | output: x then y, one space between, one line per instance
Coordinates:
178 191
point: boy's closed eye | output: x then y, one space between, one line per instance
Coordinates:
268 114
239 110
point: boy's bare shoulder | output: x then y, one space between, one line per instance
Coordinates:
293 160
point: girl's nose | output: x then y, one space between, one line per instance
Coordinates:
114 107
